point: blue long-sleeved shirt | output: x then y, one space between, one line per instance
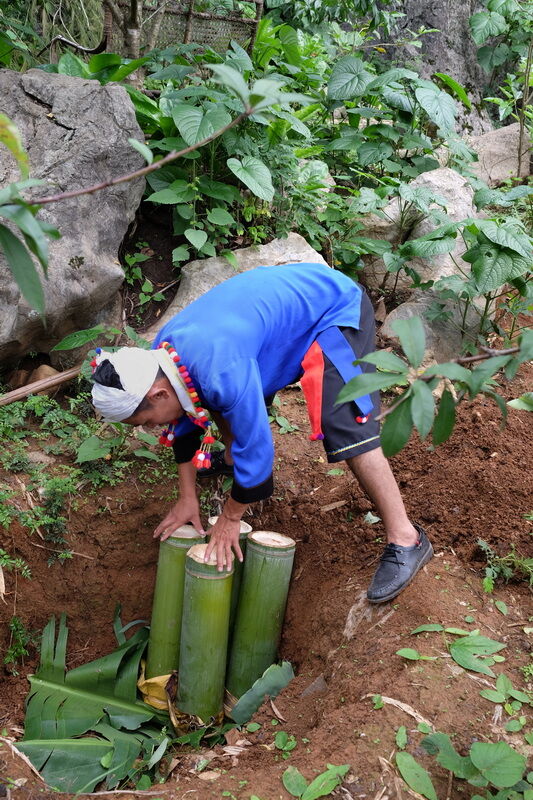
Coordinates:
245 339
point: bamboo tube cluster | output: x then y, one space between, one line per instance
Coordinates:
198 610
167 608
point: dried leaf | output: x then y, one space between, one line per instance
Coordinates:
2 585
276 712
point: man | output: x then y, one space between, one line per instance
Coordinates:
221 357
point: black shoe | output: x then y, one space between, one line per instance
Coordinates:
397 568
218 466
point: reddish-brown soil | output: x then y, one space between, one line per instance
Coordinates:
478 485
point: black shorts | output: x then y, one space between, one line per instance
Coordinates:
344 437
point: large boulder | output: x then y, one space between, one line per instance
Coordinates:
457 193
198 277
497 153
76 133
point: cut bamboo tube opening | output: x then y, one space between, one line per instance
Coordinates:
165 628
261 609
238 567
204 636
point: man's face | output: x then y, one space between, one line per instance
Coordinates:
164 407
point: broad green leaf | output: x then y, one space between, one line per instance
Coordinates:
367 383
70 64
385 360
272 681
445 419
232 79
219 216
490 57
468 652
294 782
410 653
373 152
502 607
498 763
349 79
142 148
92 448
495 266
31 229
397 428
166 196
180 253
174 72
430 628
196 237
401 737
507 235
456 88
503 684
454 372
439 107
23 269
10 136
254 174
485 24
194 125
482 372
79 338
426 248
412 338
523 403
103 60
447 756
422 408
69 765
289 41
390 77
218 191
325 783
493 696
415 775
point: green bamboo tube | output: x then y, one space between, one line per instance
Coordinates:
237 569
165 628
204 635
262 601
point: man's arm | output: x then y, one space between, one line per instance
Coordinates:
187 509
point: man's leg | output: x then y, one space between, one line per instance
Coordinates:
373 472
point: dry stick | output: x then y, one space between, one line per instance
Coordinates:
74 553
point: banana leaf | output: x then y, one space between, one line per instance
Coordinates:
64 704
78 765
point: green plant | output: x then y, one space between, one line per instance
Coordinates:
20 639
416 406
285 742
511 566
323 785
14 563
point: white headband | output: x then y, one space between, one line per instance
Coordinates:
137 370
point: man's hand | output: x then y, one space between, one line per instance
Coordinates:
224 536
186 510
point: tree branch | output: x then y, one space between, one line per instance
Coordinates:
115 12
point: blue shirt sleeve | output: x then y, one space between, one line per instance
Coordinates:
237 393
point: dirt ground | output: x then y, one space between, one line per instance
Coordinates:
478 485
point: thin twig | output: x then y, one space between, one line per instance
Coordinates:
74 553
41 201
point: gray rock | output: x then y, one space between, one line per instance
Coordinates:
318 686
443 338
76 133
498 155
200 276
459 205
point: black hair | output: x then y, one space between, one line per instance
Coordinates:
106 375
